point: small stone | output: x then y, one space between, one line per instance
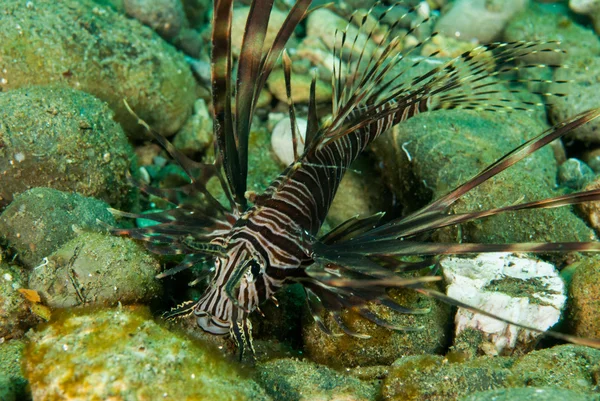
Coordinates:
591 210
384 345
281 139
437 378
537 23
570 367
13 385
518 289
322 22
197 132
166 17
575 174
479 20
238 24
581 94
592 159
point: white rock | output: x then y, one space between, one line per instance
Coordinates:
479 282
281 139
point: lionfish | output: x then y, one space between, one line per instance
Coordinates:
261 242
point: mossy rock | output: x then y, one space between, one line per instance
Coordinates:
294 380
103 353
436 378
571 367
431 154
93 48
584 297
65 139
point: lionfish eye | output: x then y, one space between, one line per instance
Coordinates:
254 268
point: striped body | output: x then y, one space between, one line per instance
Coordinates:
270 234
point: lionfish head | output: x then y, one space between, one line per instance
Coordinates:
233 293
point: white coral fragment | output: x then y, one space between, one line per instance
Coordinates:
519 289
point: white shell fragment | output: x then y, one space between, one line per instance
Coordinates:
281 139
519 289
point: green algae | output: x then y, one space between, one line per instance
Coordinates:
516 287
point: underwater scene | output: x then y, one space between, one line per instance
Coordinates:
296 200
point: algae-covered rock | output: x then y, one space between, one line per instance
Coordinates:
436 378
538 23
97 269
584 297
13 386
294 380
96 49
15 316
61 138
123 354
582 93
384 345
527 393
41 220
570 367
431 154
